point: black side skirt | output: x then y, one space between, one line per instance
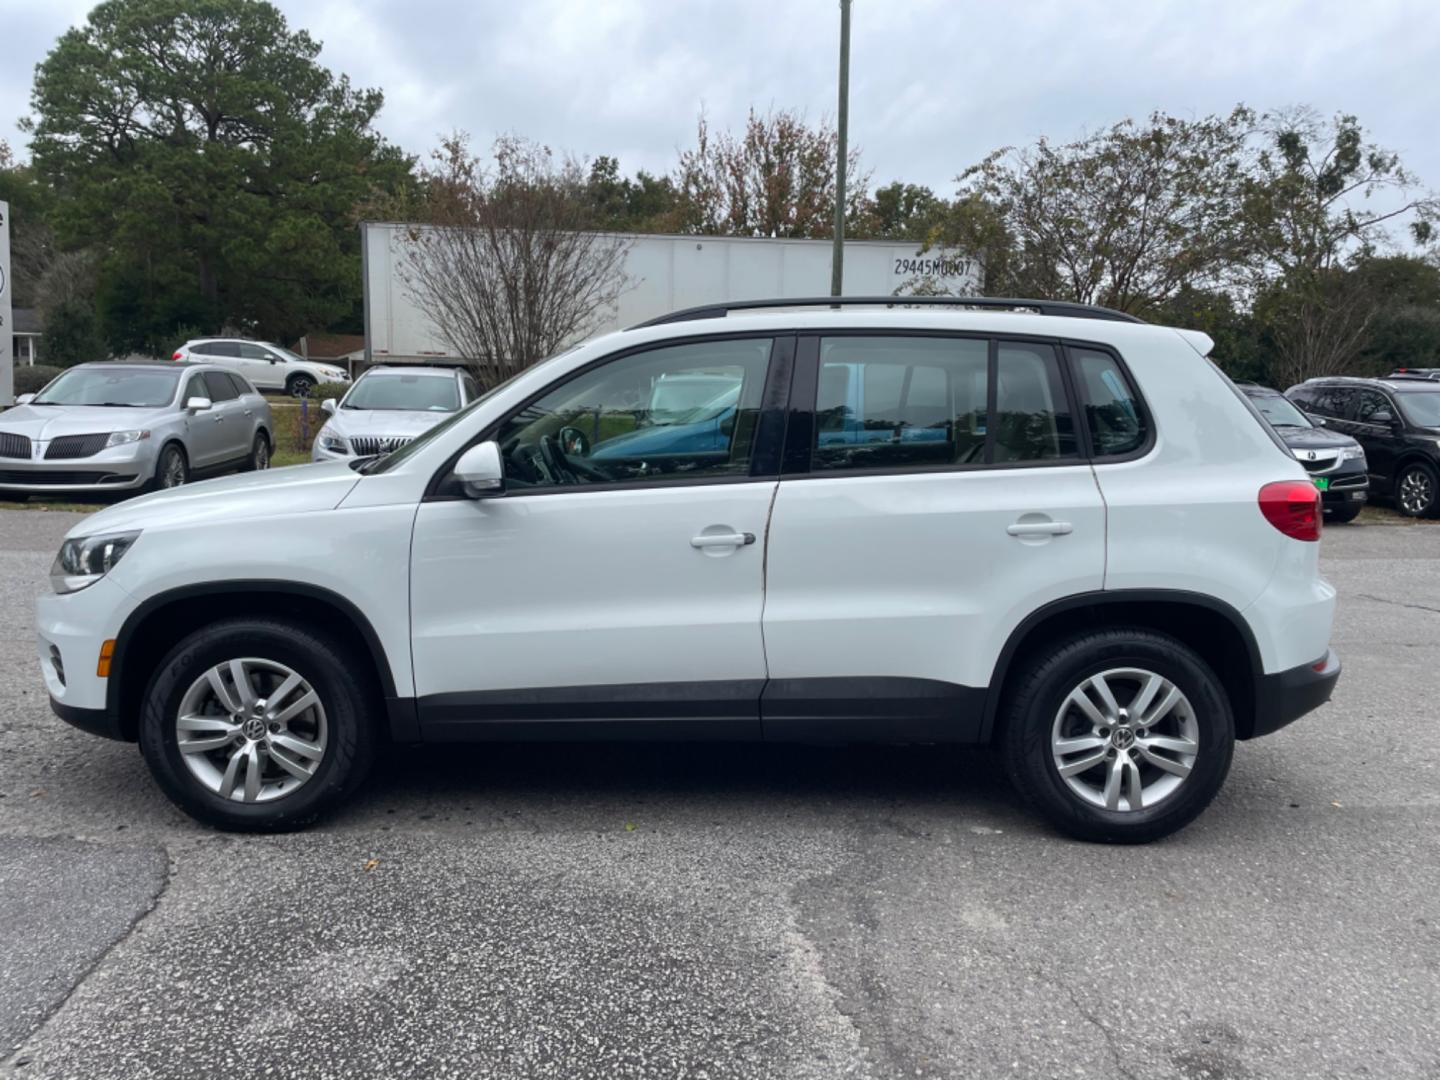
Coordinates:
860 709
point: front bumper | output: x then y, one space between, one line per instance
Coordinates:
1284 697
1346 487
120 468
70 630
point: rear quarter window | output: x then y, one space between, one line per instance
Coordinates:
1111 407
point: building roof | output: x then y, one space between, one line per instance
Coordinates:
27 321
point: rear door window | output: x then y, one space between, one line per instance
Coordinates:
220 387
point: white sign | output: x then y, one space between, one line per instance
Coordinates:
7 325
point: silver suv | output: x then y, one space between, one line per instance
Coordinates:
121 426
267 366
389 406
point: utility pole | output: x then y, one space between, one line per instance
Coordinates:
837 261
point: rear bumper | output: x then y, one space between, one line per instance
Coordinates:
1285 696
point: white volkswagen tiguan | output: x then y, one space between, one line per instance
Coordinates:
1040 526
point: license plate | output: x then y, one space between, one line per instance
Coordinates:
1322 482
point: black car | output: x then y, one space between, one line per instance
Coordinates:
1334 461
1397 421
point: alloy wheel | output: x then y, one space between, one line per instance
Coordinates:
172 473
1125 739
251 730
1417 491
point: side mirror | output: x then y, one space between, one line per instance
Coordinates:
1316 419
197 404
1382 416
24 399
481 471
328 406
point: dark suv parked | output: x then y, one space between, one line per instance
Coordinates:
1397 421
1334 461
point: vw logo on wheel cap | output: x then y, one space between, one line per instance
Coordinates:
253 729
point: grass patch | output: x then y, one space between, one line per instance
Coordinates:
282 457
43 505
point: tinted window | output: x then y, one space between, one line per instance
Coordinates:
1332 401
1370 402
219 387
255 352
217 348
148 387
241 386
1112 410
896 402
1032 416
673 413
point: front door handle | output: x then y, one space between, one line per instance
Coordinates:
709 540
1041 528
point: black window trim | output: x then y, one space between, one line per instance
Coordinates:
778 371
806 383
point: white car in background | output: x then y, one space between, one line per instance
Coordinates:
267 366
389 406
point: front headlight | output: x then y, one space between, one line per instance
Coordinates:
86 559
336 444
120 438
1353 453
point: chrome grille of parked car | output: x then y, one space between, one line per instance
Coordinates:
1318 461
365 445
11 445
75 446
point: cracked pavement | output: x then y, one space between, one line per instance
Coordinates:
739 911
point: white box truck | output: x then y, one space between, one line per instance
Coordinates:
665 273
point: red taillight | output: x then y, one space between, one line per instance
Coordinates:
177 355
1293 507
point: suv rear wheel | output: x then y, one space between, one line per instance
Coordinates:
1415 490
257 725
1120 735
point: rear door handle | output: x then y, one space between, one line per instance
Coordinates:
707 540
1041 528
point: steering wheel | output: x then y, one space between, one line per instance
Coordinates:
567 470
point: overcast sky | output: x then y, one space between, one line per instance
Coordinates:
935 84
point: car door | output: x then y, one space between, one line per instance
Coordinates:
204 431
605 591
934 497
261 366
1372 423
227 412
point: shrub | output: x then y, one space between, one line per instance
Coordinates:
32 379
328 390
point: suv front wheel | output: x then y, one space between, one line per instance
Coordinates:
257 725
1415 490
1121 735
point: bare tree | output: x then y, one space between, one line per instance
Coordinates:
506 263
777 179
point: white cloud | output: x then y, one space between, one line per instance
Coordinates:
935 84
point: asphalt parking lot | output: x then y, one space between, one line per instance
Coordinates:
739 911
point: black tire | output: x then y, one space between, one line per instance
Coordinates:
1421 500
1040 690
259 453
1342 515
172 462
299 385
329 668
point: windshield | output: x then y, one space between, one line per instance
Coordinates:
1280 411
690 400
414 393
1421 409
137 387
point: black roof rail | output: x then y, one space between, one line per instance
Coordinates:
1044 307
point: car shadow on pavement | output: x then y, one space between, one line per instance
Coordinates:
448 782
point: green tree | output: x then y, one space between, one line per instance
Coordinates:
1126 217
213 161
645 204
1319 202
32 242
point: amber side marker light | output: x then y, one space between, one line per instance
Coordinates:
107 650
